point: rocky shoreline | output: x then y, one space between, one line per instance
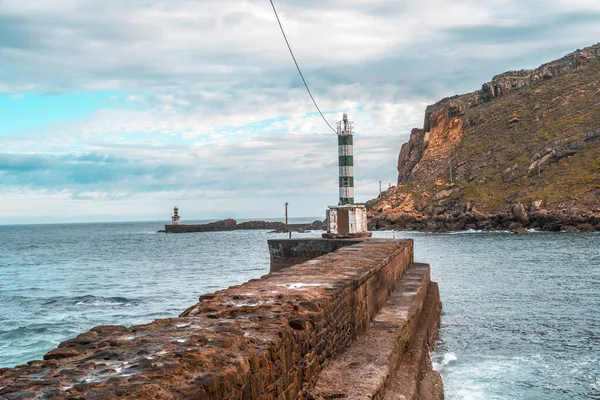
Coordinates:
458 217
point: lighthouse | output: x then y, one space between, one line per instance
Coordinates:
346 220
175 219
346 160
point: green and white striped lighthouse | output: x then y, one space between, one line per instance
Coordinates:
346 160
346 220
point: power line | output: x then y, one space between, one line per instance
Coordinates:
298 67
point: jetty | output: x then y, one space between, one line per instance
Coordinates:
233 225
350 319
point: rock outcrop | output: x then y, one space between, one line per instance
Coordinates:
520 153
410 154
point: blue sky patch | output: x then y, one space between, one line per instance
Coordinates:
35 111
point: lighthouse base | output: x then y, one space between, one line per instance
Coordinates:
347 221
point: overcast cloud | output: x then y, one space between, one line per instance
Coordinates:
119 110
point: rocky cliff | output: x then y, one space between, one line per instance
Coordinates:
523 152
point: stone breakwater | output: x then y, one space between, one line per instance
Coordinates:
232 225
283 336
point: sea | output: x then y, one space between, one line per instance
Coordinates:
521 313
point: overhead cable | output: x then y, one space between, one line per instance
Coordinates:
298 67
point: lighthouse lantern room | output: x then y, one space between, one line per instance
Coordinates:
175 219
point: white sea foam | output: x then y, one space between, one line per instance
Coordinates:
465 232
103 303
447 359
471 393
472 231
596 385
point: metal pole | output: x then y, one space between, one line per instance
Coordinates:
379 188
286 220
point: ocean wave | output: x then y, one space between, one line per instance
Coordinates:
446 359
471 231
27 247
91 301
596 386
471 393
468 231
29 330
105 301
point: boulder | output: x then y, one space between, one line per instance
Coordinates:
569 228
443 194
536 205
520 214
516 227
479 216
456 225
372 224
586 227
394 217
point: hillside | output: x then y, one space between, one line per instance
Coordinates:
521 152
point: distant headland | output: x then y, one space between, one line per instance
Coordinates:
520 153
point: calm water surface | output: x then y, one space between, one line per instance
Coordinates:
521 316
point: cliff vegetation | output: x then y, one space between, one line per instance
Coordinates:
523 152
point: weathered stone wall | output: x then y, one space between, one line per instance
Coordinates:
287 252
391 360
265 339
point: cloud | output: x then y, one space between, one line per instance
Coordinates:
201 98
244 179
265 164
201 46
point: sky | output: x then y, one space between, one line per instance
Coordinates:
119 110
